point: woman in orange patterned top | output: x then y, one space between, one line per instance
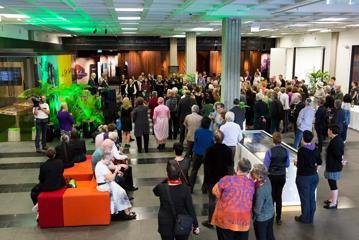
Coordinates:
232 216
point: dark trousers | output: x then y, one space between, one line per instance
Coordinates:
225 234
139 142
264 230
285 120
196 164
35 192
212 200
231 168
274 125
125 181
277 182
343 134
173 126
306 188
41 129
172 237
182 132
189 152
320 136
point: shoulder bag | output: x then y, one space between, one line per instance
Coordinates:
182 173
184 222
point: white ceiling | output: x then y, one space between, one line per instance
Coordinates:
174 17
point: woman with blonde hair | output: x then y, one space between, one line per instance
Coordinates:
161 115
126 121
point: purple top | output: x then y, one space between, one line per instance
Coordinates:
266 161
65 120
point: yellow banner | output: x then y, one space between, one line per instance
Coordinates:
65 69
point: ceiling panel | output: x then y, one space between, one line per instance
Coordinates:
168 17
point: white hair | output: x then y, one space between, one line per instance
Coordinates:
259 96
229 117
113 136
195 108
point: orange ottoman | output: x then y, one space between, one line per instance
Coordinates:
85 205
81 171
51 208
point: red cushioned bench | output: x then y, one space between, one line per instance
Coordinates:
80 171
51 209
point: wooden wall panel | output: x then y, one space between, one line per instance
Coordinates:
215 62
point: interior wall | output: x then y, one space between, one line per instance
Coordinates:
278 61
346 41
307 60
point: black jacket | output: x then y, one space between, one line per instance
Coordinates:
239 115
217 161
182 200
260 110
77 150
184 107
320 118
51 175
276 110
335 152
63 153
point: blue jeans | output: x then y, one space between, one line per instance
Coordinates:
306 186
41 129
298 138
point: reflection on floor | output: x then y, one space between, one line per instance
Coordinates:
19 172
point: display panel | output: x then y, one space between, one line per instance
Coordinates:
10 76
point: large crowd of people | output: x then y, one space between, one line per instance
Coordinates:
193 112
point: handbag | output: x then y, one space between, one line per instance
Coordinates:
184 222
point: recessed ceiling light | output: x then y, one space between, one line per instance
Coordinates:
314 30
327 22
248 22
202 29
1 7
129 32
325 30
274 36
130 23
8 15
129 9
179 36
215 24
353 25
331 19
19 19
129 18
299 25
73 29
284 33
129 29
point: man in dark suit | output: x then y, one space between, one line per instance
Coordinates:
51 176
184 108
239 113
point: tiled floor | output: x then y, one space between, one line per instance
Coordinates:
19 172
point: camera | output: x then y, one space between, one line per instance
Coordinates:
35 101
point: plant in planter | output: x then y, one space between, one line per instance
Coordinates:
83 106
316 76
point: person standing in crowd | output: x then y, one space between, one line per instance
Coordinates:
183 162
175 198
184 108
232 134
41 114
126 121
338 93
339 116
347 100
131 90
142 125
298 106
77 147
276 160
276 113
263 210
320 123
159 86
250 100
161 115
239 113
284 99
120 204
63 152
354 92
198 95
216 118
319 93
217 161
65 120
304 122
261 113
192 122
308 162
51 177
152 104
203 138
92 84
172 104
334 165
232 215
